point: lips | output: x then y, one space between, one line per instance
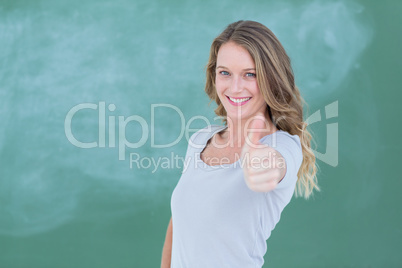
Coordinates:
238 101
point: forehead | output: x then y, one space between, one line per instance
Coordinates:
233 54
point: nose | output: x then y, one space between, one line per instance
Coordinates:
236 84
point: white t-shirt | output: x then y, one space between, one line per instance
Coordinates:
217 220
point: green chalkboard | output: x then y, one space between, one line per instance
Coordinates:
94 93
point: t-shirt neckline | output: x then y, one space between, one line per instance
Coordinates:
205 166
202 165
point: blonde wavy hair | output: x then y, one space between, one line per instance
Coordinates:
276 82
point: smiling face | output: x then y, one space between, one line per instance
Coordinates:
236 83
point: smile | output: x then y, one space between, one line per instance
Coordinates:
238 101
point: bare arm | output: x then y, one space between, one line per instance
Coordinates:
167 247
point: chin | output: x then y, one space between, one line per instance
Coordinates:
234 116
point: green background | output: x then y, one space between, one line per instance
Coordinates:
65 206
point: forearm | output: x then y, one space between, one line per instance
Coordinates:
167 247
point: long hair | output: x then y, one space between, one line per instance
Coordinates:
276 82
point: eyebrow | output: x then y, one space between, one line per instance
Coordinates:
247 69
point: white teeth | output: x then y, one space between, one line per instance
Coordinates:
239 100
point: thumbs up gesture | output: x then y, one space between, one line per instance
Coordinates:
264 167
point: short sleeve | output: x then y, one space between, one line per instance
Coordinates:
290 148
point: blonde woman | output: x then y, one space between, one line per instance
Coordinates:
241 175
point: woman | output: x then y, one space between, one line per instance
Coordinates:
241 175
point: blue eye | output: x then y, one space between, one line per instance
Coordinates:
250 75
224 73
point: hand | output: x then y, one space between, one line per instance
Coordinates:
264 167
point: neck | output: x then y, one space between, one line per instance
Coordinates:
237 131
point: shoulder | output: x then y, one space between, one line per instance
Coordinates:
290 148
282 139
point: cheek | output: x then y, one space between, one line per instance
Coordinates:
257 94
220 88
253 88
